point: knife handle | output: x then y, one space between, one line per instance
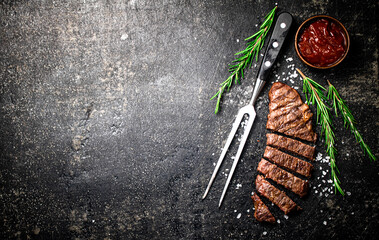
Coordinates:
281 29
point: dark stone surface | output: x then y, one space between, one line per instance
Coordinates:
107 131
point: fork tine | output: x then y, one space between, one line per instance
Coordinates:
235 127
239 151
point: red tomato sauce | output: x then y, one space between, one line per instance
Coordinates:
322 43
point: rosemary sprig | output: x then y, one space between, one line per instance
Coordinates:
314 95
348 118
252 50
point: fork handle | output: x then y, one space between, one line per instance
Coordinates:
279 34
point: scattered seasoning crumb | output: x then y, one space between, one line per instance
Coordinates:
325 223
248 210
321 211
352 213
278 221
289 59
239 215
214 164
348 193
235 210
264 233
238 40
238 186
286 216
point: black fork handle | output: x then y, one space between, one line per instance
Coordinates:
278 36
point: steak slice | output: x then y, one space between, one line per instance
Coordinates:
284 178
262 213
288 114
290 145
276 196
287 161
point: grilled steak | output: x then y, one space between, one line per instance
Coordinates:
262 213
290 145
284 178
287 161
288 114
276 196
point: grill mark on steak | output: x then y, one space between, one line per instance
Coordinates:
287 161
262 213
276 196
284 178
288 114
290 145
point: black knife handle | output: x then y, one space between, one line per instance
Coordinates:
281 29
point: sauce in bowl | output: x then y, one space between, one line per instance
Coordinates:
323 43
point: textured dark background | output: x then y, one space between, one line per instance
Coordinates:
107 131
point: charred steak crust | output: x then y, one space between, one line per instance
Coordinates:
262 213
290 145
288 162
284 178
276 196
288 114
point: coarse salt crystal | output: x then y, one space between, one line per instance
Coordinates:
285 216
289 59
278 221
324 222
348 193
239 215
264 233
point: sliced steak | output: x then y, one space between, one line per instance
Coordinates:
288 114
262 213
276 196
290 145
287 161
284 178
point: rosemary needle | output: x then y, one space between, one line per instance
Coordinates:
314 95
252 50
349 121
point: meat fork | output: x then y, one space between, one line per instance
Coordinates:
282 27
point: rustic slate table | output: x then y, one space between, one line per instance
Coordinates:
107 130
